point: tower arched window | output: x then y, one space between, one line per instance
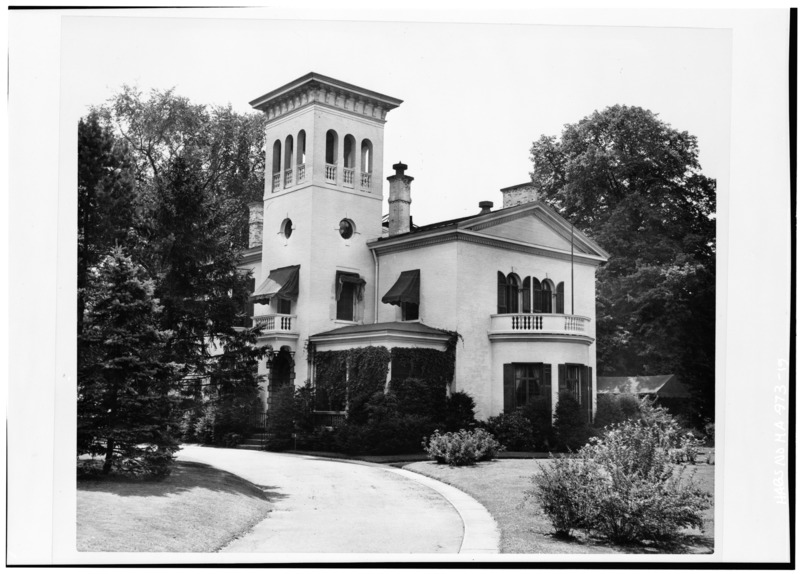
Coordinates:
512 290
501 293
288 160
560 297
301 156
348 175
331 155
547 296
276 165
366 164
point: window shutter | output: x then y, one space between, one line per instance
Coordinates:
509 404
501 293
562 378
586 393
560 298
537 296
548 392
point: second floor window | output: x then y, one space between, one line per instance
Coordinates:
349 291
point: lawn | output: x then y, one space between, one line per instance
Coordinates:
500 485
196 509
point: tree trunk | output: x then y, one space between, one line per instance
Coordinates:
109 456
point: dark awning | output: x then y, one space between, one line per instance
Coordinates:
343 277
405 289
283 282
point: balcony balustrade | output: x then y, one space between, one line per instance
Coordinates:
534 325
301 173
276 181
366 180
348 175
275 323
330 172
287 178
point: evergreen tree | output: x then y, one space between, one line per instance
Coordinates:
633 183
105 196
125 388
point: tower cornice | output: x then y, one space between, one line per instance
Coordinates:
316 88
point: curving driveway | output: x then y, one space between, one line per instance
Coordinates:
324 505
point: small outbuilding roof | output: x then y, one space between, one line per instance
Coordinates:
399 326
664 386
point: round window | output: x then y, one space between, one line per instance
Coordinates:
346 228
286 228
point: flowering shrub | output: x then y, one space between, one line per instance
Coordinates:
625 486
462 448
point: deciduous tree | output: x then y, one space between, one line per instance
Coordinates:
634 184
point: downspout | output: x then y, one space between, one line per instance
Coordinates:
377 270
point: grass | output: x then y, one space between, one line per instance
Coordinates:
500 486
196 509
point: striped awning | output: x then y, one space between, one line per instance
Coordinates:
283 282
405 289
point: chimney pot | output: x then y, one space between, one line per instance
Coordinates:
486 207
399 168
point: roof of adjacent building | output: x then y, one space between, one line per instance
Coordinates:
399 326
665 386
518 186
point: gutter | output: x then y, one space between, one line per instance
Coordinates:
377 271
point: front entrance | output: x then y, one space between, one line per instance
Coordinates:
281 371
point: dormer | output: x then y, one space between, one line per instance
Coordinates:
324 132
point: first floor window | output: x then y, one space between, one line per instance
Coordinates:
576 381
410 311
527 385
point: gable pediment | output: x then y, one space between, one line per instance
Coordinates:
534 224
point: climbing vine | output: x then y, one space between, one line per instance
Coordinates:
368 369
330 380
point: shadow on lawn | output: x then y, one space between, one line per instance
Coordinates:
185 476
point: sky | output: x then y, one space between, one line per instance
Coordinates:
475 95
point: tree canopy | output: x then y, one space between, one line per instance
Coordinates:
634 184
167 183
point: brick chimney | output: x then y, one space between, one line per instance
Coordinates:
519 194
399 200
256 223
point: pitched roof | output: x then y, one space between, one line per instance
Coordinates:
665 386
405 327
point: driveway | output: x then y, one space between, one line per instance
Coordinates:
336 506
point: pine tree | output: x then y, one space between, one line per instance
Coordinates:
125 388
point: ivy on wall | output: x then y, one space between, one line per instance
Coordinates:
347 379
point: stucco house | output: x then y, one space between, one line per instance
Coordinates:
517 283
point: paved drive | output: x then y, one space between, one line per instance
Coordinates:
324 505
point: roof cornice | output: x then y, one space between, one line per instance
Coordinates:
316 88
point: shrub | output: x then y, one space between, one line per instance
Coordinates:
386 431
635 491
204 427
512 430
462 448
570 428
563 494
459 411
709 431
613 409
232 439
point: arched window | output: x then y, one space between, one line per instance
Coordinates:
301 148
331 155
547 296
560 297
501 293
276 157
288 160
537 296
331 147
366 156
512 298
276 165
301 156
349 151
526 295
